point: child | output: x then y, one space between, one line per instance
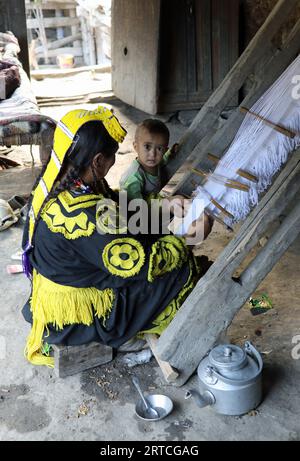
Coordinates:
145 176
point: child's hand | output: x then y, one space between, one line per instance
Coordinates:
199 230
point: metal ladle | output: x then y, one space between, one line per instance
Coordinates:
150 412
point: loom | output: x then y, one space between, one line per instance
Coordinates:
269 132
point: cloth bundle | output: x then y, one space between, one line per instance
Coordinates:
9 73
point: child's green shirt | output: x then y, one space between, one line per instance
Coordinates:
139 183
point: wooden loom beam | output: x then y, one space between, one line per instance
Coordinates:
210 308
203 135
197 326
221 140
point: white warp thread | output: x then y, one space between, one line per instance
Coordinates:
256 148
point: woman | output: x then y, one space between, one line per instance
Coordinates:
92 281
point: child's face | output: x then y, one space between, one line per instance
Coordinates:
150 148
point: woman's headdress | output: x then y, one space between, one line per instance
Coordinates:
64 136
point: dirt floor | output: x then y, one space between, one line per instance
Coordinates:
99 404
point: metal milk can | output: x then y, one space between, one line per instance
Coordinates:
230 379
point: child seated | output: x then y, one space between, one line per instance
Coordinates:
145 176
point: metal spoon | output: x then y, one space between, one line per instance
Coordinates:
150 412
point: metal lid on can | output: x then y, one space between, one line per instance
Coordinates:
228 357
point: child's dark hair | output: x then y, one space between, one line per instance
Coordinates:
154 126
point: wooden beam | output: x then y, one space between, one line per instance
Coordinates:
220 140
53 22
55 5
75 30
168 372
210 308
65 50
59 43
43 73
205 123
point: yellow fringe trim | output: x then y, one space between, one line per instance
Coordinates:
167 254
62 305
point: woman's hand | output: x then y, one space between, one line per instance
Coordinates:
199 230
176 205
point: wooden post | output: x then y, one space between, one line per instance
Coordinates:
91 41
85 49
75 30
210 308
59 30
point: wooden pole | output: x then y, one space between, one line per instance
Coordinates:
243 173
227 183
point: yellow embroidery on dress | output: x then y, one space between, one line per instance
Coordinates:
124 257
108 218
71 203
64 136
71 227
167 254
164 319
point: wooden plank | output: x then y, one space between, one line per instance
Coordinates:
69 360
168 372
219 140
205 123
85 48
225 39
53 22
65 50
43 73
135 38
204 47
210 308
91 42
60 43
51 5
75 29
198 46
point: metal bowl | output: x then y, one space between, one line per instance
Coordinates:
161 403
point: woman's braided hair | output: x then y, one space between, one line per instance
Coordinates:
92 138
